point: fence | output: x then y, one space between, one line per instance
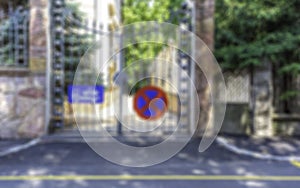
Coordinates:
72 35
14 37
238 87
237 118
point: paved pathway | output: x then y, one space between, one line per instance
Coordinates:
76 165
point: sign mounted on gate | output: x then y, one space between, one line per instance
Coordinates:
85 94
150 103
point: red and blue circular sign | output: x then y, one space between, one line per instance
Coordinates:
150 103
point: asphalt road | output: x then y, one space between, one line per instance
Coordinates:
76 165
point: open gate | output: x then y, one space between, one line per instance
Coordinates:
72 36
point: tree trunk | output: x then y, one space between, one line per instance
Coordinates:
204 30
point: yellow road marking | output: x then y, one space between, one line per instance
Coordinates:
295 163
149 177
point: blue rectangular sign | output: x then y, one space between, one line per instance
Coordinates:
85 94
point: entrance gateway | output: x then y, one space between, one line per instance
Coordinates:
71 37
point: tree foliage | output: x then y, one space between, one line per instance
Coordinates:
147 10
76 41
250 30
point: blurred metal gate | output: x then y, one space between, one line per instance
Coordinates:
71 37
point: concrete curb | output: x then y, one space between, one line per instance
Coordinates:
240 151
18 148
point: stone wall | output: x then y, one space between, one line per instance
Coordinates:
22 90
236 120
22 105
252 116
286 124
261 99
38 39
295 102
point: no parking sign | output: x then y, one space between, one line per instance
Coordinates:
150 103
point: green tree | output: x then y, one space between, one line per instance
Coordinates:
249 31
140 11
148 10
77 41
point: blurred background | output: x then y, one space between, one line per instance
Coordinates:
256 43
